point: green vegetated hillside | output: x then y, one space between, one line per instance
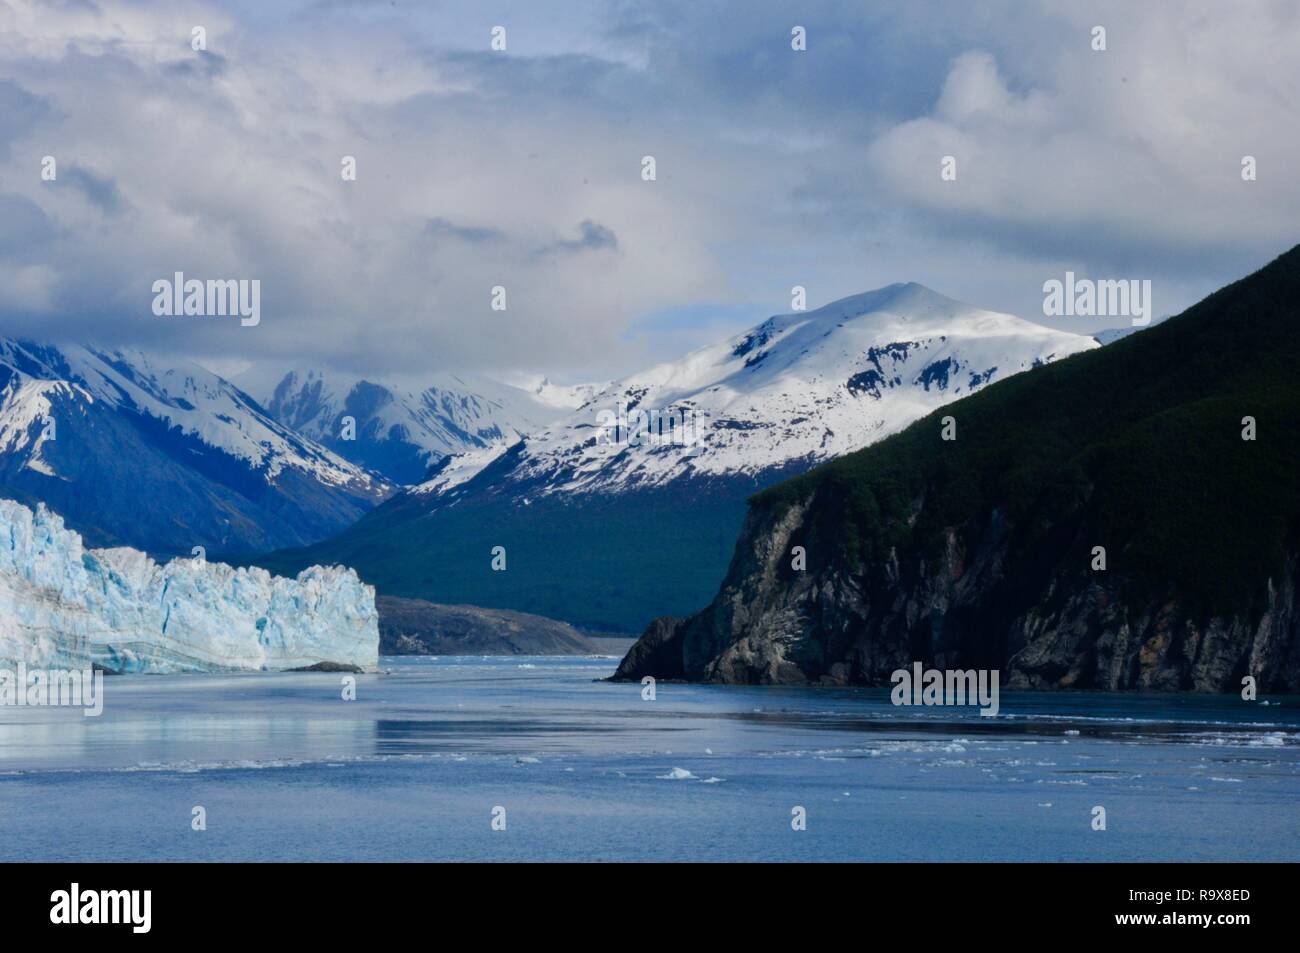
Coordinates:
980 549
607 562
1137 446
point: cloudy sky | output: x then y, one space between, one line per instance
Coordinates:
522 168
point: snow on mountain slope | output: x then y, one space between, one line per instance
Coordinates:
401 431
164 457
795 390
64 606
560 396
25 405
459 468
1111 335
185 396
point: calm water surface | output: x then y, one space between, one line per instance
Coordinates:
414 767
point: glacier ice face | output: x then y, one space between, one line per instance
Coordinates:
65 606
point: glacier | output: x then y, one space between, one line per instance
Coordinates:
63 606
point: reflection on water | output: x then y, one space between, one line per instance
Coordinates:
404 771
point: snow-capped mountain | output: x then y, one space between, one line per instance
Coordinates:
164 457
399 431
629 507
64 606
560 396
793 391
1111 335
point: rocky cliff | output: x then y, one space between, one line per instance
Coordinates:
628 506
1125 519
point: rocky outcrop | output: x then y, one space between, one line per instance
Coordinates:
417 627
771 624
1126 518
658 652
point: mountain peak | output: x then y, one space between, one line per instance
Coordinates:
900 295
909 302
96 431
803 386
926 542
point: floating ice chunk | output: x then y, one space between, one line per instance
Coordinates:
677 774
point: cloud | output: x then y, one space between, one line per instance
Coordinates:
476 235
21 111
1127 158
592 236
100 190
24 227
521 169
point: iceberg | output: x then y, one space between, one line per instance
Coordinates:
63 606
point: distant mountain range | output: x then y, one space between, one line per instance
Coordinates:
629 505
1128 518
400 432
164 458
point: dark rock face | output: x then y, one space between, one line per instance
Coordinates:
1124 519
771 625
416 627
657 652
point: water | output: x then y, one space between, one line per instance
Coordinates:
413 768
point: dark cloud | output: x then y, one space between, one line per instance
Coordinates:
775 167
207 65
475 235
20 111
101 190
24 228
592 236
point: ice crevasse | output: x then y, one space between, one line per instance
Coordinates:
65 606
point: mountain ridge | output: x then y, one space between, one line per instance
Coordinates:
402 432
164 457
979 551
605 494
